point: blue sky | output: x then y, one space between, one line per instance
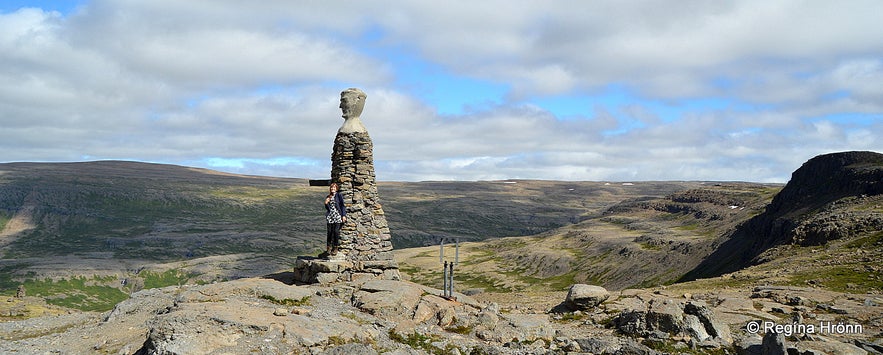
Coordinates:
600 90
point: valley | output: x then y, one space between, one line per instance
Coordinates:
119 219
81 239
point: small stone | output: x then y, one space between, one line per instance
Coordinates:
281 312
300 311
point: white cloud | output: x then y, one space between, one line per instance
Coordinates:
657 48
256 85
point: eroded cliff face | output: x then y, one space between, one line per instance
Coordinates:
830 197
819 182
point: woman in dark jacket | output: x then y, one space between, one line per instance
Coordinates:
335 215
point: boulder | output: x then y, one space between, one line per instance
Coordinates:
612 345
666 315
429 308
676 318
715 328
584 297
774 344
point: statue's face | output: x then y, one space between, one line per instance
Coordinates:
351 105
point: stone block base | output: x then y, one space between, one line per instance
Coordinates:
308 270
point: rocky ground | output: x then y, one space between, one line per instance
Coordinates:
271 316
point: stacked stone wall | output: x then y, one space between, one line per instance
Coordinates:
365 235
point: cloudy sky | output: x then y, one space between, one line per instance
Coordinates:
457 90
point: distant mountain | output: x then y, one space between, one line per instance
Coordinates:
830 197
117 217
114 219
128 210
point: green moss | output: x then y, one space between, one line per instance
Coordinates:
552 283
716 282
80 293
465 281
688 227
420 341
871 241
462 329
4 219
427 254
570 317
7 284
423 277
854 278
171 277
648 246
288 301
356 318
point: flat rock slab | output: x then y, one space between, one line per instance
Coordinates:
244 287
321 265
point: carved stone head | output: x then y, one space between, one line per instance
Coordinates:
352 102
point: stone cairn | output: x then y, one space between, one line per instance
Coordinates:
365 236
365 250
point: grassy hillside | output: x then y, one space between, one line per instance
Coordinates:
638 242
152 212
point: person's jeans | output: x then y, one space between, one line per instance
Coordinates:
333 239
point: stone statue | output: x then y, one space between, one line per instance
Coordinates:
352 102
365 235
365 250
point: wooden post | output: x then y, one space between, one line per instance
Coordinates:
326 182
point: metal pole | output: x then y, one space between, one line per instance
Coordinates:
451 283
445 281
457 251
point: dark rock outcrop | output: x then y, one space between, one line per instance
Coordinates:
665 318
798 214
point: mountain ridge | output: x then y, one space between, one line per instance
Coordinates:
788 219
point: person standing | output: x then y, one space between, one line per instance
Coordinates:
335 216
